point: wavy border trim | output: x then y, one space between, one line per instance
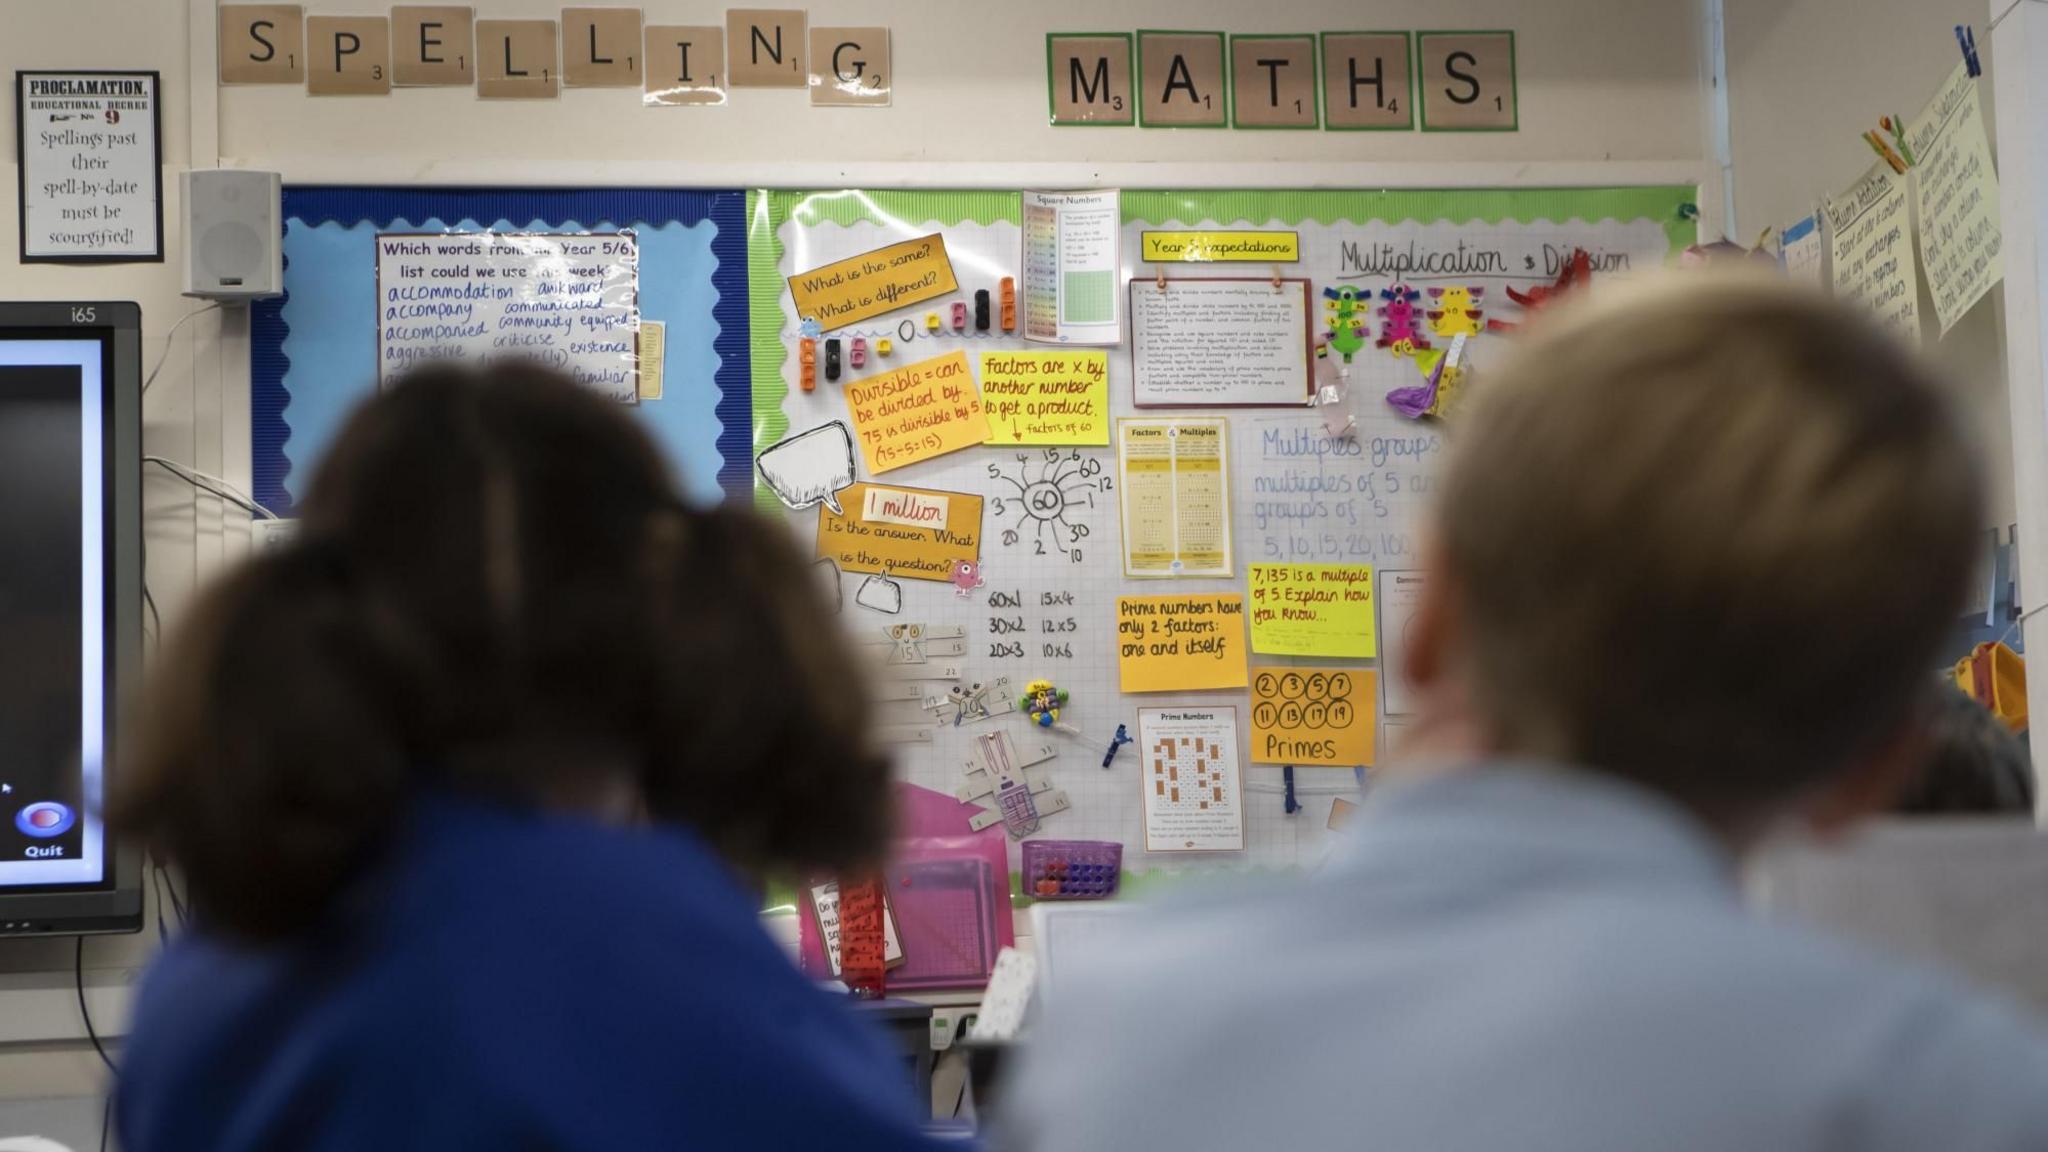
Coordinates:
1420 205
350 206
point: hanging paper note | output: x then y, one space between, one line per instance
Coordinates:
1312 716
909 532
1046 397
1175 503
1180 643
1960 240
1801 252
864 286
917 412
1871 253
1194 799
1313 610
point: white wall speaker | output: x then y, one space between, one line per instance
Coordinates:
234 233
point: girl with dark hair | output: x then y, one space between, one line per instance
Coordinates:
473 786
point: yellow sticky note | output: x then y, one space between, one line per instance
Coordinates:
860 287
653 353
1046 397
1180 643
1313 610
910 532
1313 716
917 412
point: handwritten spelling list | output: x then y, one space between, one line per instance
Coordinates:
569 301
917 412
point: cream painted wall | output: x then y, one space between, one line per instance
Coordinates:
1612 91
1599 79
41 1038
1805 78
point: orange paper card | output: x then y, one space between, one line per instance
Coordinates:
917 412
1312 716
864 286
910 532
1180 643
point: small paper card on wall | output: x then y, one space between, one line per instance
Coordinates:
1312 716
568 300
91 167
1046 397
1399 600
864 286
1184 643
1073 262
1205 247
1801 252
1175 506
1220 342
1313 610
1188 771
910 532
917 412
653 357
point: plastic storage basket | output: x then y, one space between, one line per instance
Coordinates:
1071 869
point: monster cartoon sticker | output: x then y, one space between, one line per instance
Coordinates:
1457 312
1400 323
1346 319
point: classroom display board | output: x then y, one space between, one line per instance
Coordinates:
641 293
1147 527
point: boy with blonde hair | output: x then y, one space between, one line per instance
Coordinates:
1696 546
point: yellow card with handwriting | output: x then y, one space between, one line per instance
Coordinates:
1180 643
917 412
1313 610
1313 716
1046 397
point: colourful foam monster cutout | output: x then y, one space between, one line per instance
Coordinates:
1400 321
1457 312
1346 319
1442 371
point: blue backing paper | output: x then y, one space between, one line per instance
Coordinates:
313 350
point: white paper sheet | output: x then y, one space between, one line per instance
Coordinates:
1073 267
1188 771
1220 342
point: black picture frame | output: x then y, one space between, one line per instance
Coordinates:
156 129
